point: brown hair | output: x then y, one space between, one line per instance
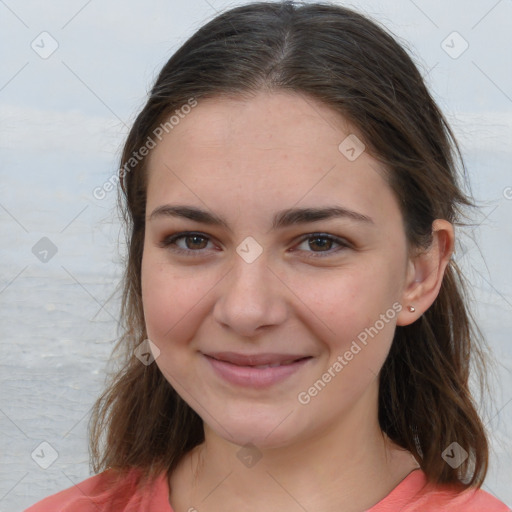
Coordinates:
351 64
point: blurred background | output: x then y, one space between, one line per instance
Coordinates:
73 77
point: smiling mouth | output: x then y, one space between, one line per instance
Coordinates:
257 370
262 366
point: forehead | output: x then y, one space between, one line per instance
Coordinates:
278 148
281 122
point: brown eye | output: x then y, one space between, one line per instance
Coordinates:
319 243
193 243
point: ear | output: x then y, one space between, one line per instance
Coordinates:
425 273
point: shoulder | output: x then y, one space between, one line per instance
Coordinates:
415 494
470 500
109 491
450 498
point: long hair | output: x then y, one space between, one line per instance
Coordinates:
349 63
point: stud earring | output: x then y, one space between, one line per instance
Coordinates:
411 309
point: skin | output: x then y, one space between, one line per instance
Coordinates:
244 160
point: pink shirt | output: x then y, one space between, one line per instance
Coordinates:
96 494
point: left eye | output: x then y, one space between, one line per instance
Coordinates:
324 242
197 242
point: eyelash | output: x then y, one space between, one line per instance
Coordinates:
171 241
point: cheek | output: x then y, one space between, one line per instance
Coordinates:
347 307
167 299
347 298
168 303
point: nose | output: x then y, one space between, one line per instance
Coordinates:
251 297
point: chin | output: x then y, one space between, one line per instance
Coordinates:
266 431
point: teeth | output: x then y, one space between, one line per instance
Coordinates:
273 365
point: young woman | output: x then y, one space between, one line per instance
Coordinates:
297 336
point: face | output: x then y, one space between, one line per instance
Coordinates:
251 283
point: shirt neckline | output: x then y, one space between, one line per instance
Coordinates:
404 491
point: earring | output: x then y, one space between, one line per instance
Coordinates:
411 309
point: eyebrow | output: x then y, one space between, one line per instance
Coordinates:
282 219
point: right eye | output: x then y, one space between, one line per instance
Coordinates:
193 243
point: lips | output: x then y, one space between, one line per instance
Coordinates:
255 370
256 360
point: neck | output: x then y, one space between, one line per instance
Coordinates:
329 471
